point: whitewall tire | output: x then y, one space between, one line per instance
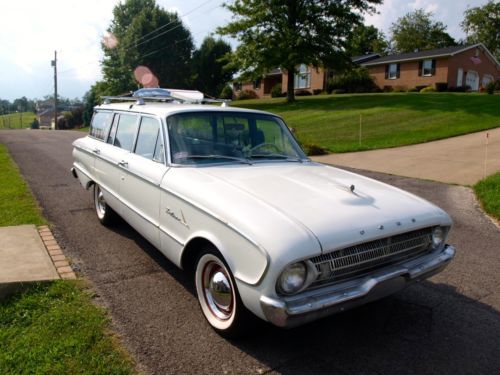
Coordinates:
218 295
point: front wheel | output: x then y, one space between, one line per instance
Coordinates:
105 214
218 296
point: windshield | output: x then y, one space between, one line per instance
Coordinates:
230 137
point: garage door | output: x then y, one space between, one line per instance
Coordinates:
472 80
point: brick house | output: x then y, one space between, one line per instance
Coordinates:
459 66
307 78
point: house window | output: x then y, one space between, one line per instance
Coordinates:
256 84
237 86
427 68
302 79
393 71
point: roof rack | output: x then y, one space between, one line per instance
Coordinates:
141 96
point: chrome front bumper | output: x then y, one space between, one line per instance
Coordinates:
314 304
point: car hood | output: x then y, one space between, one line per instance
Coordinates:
336 207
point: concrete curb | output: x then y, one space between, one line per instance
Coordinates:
60 262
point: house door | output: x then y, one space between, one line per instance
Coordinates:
460 76
472 80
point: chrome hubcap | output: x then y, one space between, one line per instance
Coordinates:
100 203
218 290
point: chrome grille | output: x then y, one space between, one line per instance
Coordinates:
360 259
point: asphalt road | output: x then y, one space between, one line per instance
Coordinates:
448 325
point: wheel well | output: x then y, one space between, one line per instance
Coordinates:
192 251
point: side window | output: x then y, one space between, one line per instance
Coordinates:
147 138
100 124
112 132
125 134
159 154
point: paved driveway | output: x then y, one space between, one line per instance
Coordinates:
457 160
448 325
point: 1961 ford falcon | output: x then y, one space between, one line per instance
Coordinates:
229 195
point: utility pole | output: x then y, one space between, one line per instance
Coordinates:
54 64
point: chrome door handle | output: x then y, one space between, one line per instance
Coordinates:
96 151
123 164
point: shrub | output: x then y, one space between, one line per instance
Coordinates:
459 89
317 91
35 124
302 93
313 149
226 93
413 89
490 88
420 87
247 94
338 91
276 91
400 89
441 86
428 89
388 89
356 80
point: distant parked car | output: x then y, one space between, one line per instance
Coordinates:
228 194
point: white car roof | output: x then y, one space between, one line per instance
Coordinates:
165 109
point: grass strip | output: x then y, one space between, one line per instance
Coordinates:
50 328
17 205
55 328
488 193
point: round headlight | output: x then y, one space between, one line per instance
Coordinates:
292 279
437 237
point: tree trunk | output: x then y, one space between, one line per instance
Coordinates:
290 92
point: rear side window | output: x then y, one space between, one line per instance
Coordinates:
148 137
125 134
101 122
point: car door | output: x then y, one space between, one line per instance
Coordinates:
140 175
111 154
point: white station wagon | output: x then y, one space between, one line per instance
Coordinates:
229 195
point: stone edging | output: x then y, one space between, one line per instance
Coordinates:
60 262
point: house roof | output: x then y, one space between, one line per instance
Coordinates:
432 53
362 58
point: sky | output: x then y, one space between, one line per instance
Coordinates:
32 30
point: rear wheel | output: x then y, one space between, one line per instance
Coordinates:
218 296
105 214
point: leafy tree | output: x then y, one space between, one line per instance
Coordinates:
367 39
417 31
482 25
209 74
288 33
93 98
150 36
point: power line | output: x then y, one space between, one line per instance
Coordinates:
171 29
171 22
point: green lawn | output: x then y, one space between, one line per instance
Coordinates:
56 329
50 328
388 120
16 202
13 120
488 192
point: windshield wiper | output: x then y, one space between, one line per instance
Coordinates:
214 156
275 156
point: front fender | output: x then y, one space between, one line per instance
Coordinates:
247 260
